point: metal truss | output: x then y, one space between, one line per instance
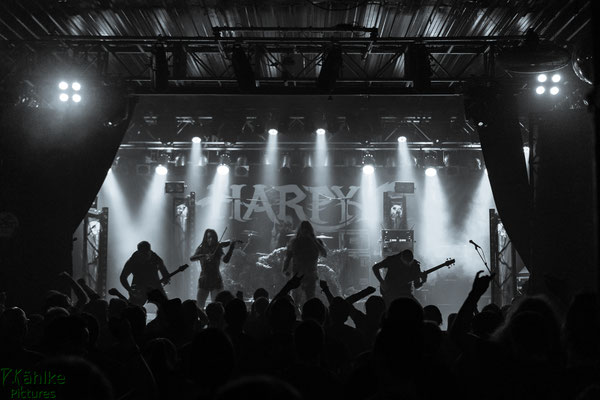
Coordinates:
95 249
503 262
372 65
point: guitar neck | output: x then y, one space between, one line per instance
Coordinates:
430 270
171 274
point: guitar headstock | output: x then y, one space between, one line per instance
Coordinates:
449 262
183 268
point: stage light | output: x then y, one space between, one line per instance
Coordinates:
556 78
540 90
431 171
368 164
320 131
480 123
196 140
553 90
76 98
63 97
161 170
63 85
273 132
401 139
223 169
542 78
75 86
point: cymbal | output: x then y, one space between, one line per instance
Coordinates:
324 237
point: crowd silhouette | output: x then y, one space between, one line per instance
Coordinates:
269 347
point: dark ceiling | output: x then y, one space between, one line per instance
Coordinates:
287 43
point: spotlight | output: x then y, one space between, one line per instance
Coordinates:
556 78
401 139
75 86
368 164
368 169
540 90
196 139
320 131
273 132
76 98
222 169
63 85
553 90
542 78
161 170
63 97
431 171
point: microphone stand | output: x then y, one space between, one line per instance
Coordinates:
481 255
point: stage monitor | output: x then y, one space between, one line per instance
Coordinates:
404 187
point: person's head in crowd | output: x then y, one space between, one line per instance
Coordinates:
260 292
492 308
224 297
309 341
581 329
339 311
404 313
375 307
136 316
54 298
485 323
432 338
282 316
13 327
538 305
529 338
235 314
161 355
432 313
215 313
190 312
93 328
66 336
259 306
451 318
55 312
212 359
258 387
99 309
116 307
83 380
315 310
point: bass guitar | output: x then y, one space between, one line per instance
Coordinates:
139 295
448 263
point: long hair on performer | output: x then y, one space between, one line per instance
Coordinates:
303 254
209 253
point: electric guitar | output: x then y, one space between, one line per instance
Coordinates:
139 295
448 263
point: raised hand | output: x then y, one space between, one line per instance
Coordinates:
295 281
481 283
323 285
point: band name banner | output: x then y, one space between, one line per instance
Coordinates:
328 208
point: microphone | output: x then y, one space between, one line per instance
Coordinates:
474 244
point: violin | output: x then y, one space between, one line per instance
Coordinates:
219 245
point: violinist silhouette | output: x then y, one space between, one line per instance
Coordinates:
209 253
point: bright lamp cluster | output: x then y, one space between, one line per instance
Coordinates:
548 81
70 91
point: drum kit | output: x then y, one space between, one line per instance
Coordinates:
318 236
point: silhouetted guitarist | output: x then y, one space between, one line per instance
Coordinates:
144 265
403 271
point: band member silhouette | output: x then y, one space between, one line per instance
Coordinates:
303 253
144 265
209 253
403 271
